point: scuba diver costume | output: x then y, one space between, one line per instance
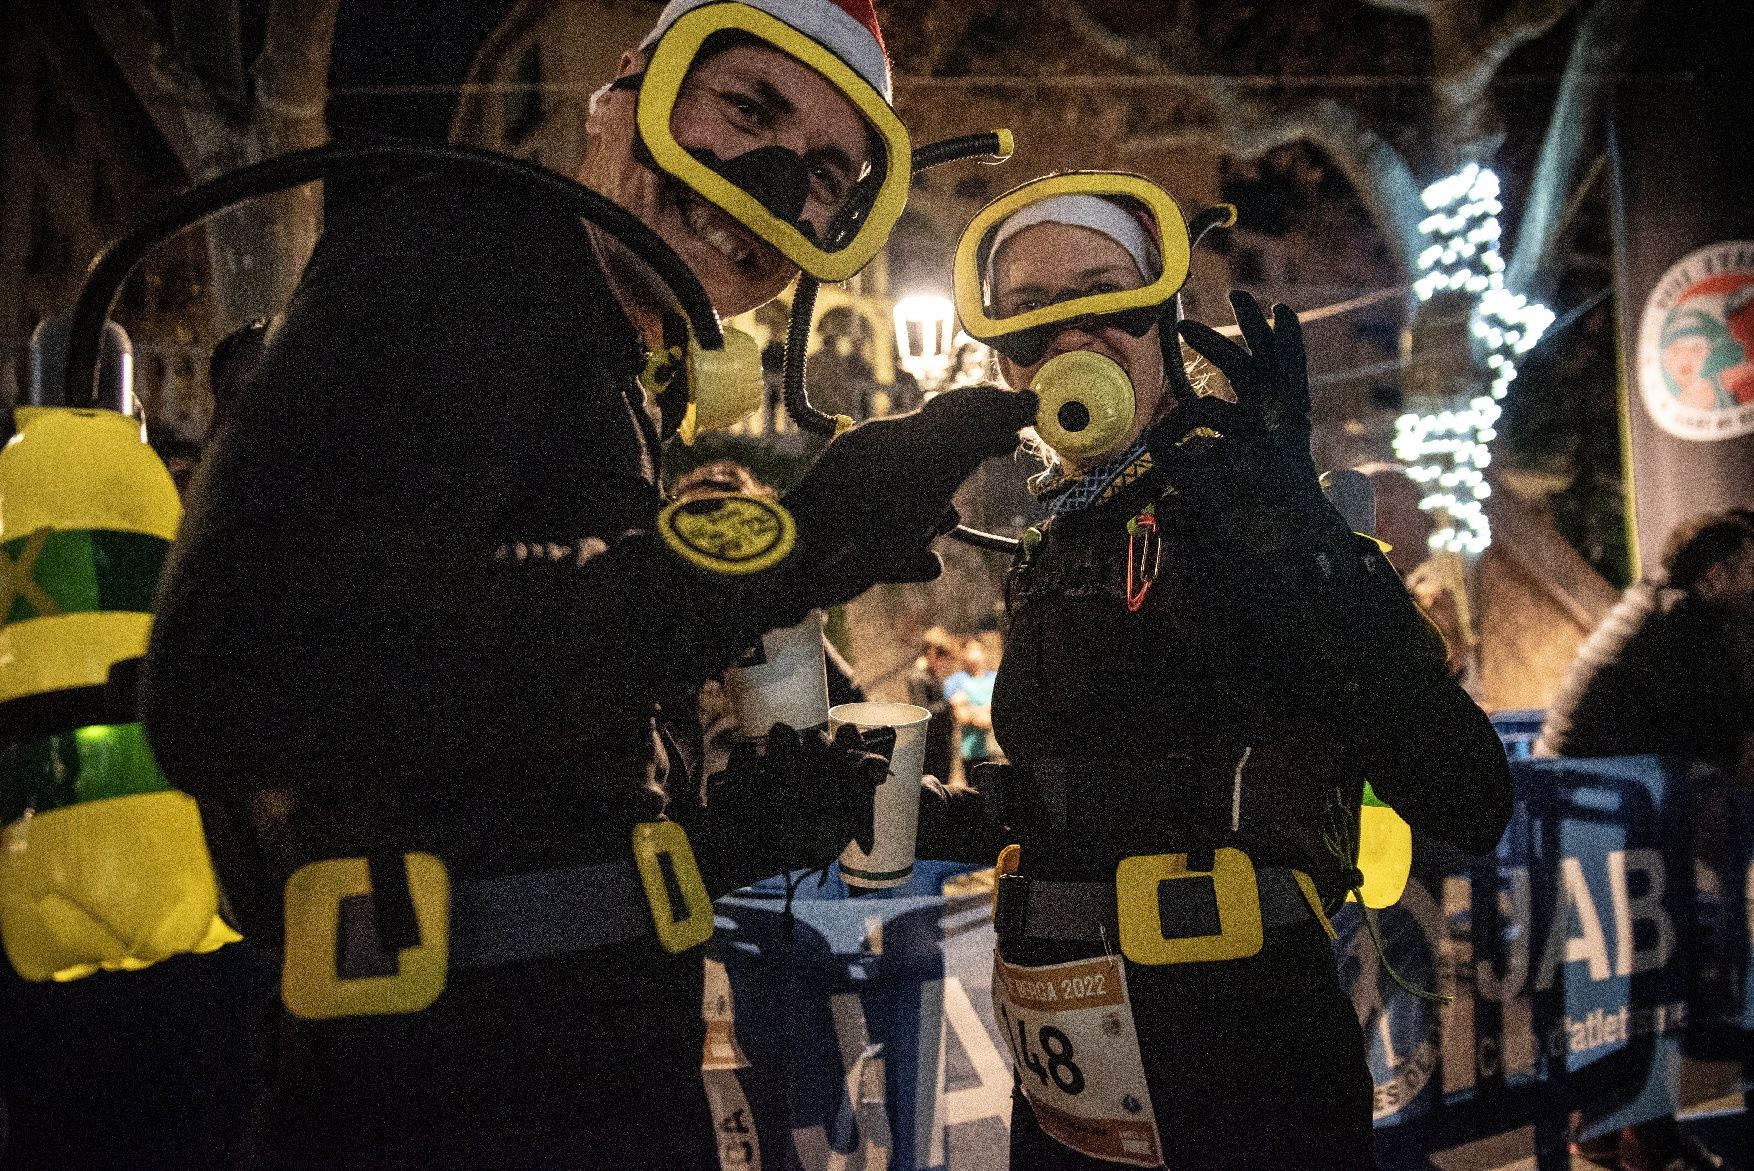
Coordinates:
1202 667
414 643
1165 727
300 689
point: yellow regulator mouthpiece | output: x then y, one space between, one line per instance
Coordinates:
1086 404
724 385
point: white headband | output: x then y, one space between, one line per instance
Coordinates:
1084 211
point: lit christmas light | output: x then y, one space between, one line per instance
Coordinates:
1447 451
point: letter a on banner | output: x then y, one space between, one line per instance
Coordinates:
1589 945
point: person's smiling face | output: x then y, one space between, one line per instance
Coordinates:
733 101
1050 262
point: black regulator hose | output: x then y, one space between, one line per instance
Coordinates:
797 399
1220 215
992 146
103 279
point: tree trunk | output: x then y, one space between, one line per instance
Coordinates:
256 249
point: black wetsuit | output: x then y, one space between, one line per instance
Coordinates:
417 604
1160 729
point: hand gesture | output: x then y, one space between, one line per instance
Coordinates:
1270 376
1245 467
869 507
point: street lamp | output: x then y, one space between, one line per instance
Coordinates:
925 331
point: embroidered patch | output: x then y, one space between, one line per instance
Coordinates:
728 534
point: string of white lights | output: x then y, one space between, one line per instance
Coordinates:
1447 452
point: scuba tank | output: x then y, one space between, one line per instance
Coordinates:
102 862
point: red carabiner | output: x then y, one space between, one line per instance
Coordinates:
1138 579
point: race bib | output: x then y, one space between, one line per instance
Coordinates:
1076 1052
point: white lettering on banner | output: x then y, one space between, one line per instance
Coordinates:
733 1120
938 1107
1589 945
1503 1044
1638 936
1601 1028
1647 908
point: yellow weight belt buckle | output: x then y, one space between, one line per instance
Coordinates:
1138 881
310 981
654 844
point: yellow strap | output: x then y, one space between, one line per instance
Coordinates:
310 986
1239 935
1307 885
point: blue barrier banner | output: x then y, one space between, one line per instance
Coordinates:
1596 968
1597 965
867 1023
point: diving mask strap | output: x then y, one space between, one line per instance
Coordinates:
1222 215
1175 368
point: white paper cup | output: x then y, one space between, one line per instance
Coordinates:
784 681
890 861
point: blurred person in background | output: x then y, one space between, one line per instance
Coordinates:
1666 670
938 660
970 692
1670 670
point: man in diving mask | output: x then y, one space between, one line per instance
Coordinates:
428 605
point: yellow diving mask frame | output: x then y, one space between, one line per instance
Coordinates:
1024 336
675 54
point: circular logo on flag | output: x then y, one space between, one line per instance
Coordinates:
1696 344
1403 1036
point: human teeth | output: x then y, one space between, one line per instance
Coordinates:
699 221
721 240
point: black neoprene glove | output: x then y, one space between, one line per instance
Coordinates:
869 508
1247 465
791 803
1323 598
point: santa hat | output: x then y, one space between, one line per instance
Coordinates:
846 28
